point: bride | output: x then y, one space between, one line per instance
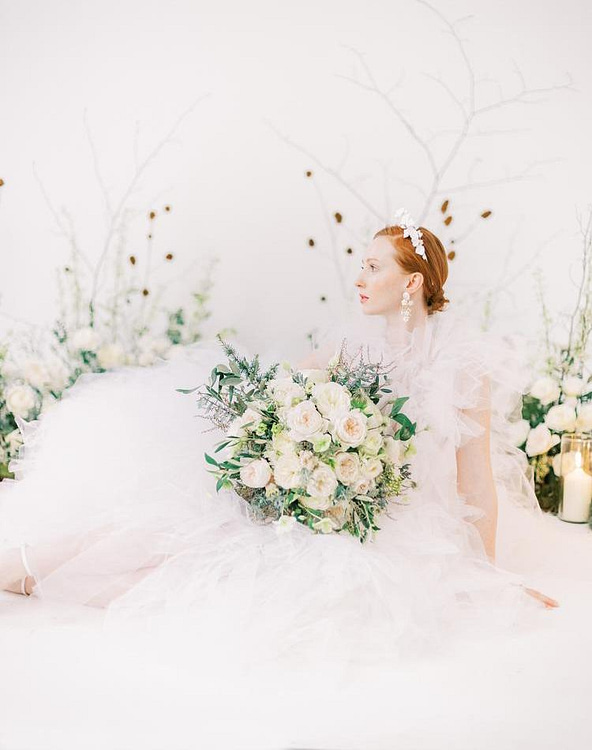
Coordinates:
112 505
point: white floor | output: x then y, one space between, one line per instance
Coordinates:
64 684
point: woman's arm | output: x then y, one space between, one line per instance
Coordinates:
474 473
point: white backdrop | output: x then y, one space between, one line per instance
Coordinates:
92 89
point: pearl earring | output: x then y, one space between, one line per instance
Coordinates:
406 304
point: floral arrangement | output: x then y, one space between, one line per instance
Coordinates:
324 448
560 401
550 408
104 322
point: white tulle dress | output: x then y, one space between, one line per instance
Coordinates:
113 480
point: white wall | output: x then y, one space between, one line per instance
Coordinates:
237 189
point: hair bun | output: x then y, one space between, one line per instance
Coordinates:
437 301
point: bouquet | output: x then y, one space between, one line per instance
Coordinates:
324 448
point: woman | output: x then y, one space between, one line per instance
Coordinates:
113 506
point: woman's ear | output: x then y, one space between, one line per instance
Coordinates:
415 282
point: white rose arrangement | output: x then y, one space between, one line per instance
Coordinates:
309 447
554 405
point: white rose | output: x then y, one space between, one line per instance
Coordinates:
573 386
238 427
85 339
375 416
282 443
285 391
322 482
315 376
518 432
546 390
305 422
111 355
332 399
287 471
371 467
373 442
256 473
350 429
561 418
584 418
394 450
35 373
540 440
20 400
320 502
347 467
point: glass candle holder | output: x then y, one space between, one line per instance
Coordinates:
576 478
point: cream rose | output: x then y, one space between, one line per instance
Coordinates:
373 442
20 400
35 373
110 356
256 473
546 390
561 418
322 482
282 443
371 467
85 339
305 422
308 460
350 429
363 485
332 399
287 471
316 502
239 428
347 467
540 440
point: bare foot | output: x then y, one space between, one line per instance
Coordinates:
547 601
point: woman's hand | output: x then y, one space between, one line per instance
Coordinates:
547 601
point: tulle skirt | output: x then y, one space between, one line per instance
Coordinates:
117 510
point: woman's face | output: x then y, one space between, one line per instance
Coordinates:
381 281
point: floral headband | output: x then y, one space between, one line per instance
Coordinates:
411 230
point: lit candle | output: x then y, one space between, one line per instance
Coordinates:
577 494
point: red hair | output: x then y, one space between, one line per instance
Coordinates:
434 270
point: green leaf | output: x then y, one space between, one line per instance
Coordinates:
211 460
187 390
398 405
